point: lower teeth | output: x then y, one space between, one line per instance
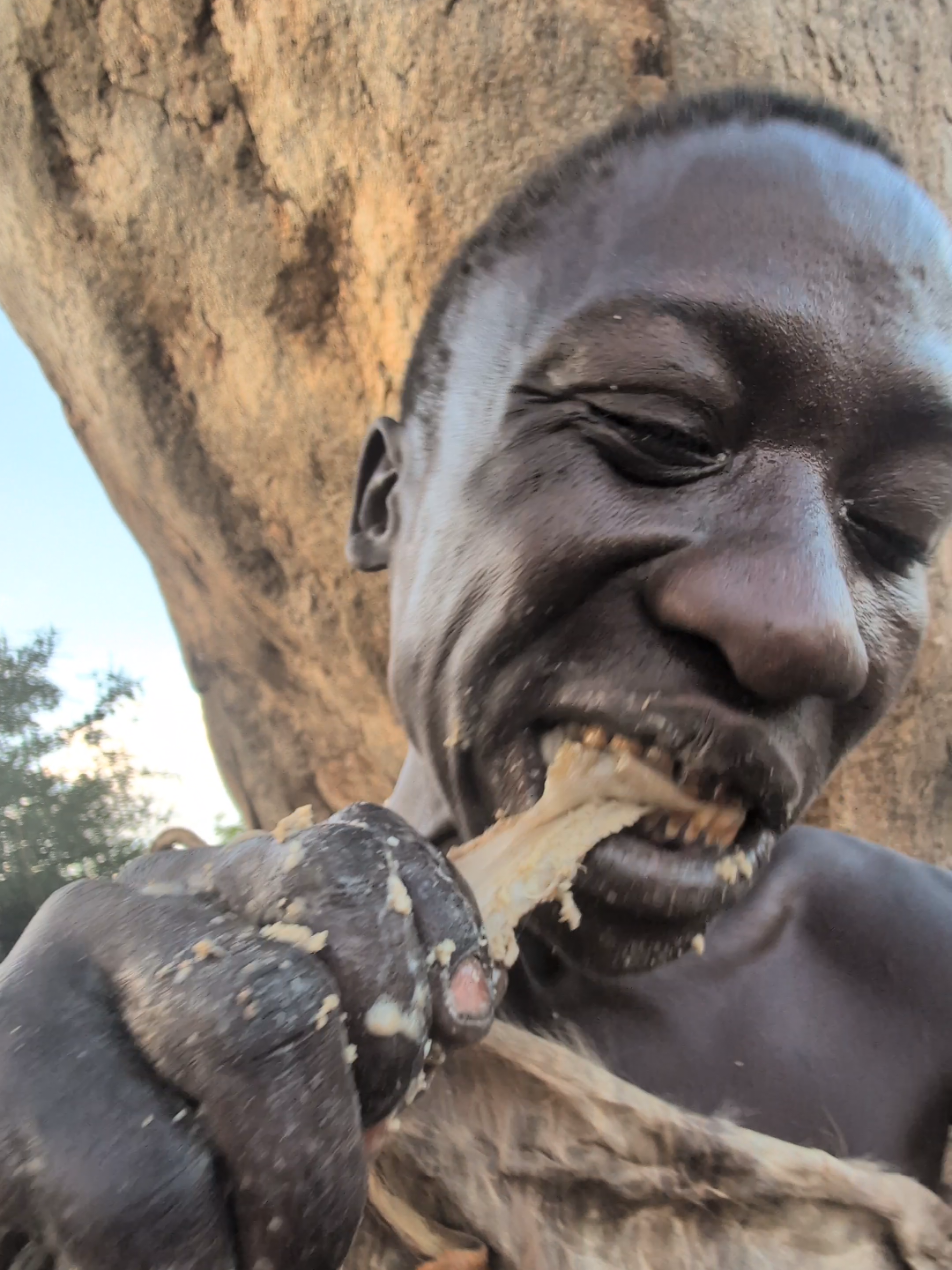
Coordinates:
590 793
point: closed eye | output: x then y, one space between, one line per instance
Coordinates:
650 437
889 546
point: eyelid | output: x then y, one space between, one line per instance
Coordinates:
615 400
906 544
689 429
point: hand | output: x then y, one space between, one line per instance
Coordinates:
181 1087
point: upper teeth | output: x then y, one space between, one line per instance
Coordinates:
713 824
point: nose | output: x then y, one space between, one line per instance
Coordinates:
773 598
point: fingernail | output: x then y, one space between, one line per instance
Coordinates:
470 990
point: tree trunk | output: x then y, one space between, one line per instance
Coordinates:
219 224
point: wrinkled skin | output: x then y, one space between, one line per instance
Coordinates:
693 456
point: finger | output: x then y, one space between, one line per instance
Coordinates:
172 872
333 880
101 1163
230 1019
450 929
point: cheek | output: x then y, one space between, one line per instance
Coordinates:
893 617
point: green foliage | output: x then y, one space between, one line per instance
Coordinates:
54 828
226 829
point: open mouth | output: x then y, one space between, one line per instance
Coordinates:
652 844
677 863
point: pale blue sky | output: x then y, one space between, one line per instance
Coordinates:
69 562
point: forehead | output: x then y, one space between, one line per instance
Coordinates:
779 232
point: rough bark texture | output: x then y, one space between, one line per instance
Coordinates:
219 223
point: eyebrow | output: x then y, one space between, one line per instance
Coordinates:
702 367
728 347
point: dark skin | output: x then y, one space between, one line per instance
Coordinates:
694 453
704 482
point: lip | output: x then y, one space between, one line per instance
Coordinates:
627 872
729 754
672 893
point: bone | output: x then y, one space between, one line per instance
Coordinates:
527 860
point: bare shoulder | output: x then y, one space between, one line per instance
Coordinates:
872 909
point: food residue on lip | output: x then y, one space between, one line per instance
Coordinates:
520 862
299 936
596 785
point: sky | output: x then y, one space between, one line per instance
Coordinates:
69 562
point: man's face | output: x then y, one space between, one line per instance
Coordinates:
695 450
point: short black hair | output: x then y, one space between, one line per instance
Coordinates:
592 161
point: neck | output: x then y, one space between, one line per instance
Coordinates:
419 800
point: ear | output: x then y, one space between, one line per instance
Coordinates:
375 519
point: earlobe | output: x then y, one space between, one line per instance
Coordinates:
374 520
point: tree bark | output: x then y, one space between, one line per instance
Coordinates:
219 224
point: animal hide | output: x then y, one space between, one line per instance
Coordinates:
526 1155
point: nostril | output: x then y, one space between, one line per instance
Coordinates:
785 632
789 664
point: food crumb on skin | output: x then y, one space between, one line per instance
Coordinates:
443 952
298 936
294 911
330 1003
294 856
698 943
398 897
416 1087
386 1018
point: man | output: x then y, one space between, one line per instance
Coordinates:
675 452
